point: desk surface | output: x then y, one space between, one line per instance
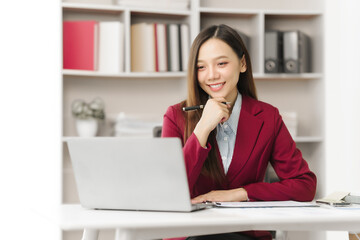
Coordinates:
210 221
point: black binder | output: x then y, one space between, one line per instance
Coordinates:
273 52
297 51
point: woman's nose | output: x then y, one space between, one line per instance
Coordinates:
213 73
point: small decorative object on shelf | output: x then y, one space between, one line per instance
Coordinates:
87 116
291 122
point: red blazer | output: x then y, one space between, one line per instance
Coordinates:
261 138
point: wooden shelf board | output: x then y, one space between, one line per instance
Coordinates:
160 11
117 8
299 139
308 139
287 76
292 14
228 11
84 73
92 7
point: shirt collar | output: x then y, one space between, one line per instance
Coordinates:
235 114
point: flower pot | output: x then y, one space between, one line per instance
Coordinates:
87 127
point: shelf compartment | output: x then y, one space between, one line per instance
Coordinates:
310 23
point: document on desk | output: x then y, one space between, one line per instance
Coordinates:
265 204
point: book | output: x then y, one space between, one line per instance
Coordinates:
161 49
80 45
335 199
174 47
156 48
168 47
142 47
111 47
185 46
180 51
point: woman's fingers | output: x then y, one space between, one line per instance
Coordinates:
237 195
215 112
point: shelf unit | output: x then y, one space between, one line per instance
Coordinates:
152 93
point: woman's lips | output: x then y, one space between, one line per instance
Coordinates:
216 87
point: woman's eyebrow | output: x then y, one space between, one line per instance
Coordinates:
219 57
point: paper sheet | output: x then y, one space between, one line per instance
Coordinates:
265 204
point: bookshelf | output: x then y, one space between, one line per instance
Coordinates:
151 93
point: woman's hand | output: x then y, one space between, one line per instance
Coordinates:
233 195
215 112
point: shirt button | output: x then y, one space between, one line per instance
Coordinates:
224 158
225 138
225 126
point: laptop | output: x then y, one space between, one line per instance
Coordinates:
131 174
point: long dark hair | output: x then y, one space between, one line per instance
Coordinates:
196 95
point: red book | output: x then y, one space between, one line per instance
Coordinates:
156 48
80 45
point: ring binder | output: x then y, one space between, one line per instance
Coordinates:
296 52
273 51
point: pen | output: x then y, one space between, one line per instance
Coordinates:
192 108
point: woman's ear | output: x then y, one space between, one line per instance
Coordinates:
243 64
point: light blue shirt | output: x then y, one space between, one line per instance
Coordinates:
226 134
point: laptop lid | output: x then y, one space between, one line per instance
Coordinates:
130 173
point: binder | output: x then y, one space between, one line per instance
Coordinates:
296 52
273 52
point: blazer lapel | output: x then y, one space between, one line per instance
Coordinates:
248 130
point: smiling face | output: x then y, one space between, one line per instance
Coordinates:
218 69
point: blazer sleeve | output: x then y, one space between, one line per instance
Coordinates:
297 182
194 154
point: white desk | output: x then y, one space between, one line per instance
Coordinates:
132 225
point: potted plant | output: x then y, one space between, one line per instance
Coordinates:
87 116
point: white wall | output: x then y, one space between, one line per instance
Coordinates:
342 56
342 68
30 108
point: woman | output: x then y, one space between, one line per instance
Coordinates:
228 144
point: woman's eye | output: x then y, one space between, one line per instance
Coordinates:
200 67
222 63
